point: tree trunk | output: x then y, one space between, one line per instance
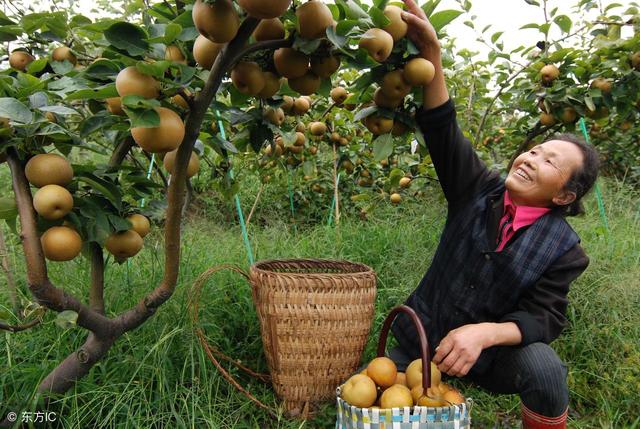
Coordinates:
11 283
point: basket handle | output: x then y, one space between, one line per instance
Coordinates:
422 336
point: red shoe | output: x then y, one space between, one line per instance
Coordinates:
533 420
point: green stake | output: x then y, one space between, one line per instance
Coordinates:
603 214
333 201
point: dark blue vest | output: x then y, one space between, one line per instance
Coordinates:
468 282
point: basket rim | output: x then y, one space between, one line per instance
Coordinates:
363 268
468 401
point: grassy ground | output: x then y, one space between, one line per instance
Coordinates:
158 376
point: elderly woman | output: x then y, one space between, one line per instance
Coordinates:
495 294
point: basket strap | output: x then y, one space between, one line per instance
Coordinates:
422 336
212 352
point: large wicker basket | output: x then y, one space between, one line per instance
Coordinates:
315 317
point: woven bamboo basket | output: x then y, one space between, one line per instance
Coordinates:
315 317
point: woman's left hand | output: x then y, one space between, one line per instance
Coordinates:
460 349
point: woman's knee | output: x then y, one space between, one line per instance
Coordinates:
544 379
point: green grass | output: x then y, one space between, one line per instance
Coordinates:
158 376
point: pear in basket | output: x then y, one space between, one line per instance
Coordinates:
359 390
414 374
433 398
383 371
401 378
396 396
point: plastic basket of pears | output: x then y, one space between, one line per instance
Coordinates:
381 397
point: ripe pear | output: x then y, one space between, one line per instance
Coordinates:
395 198
179 100
61 243
300 139
114 106
378 43
272 84
301 127
205 52
307 84
269 29
602 84
394 85
219 21
52 202
287 104
383 100
378 125
48 169
549 73
398 27
419 72
313 19
19 60
264 9
274 115
325 67
131 82
290 63
634 59
569 115
359 390
124 244
247 77
62 53
396 396
173 53
170 160
547 119
383 371
301 106
318 128
140 224
163 138
339 95
405 182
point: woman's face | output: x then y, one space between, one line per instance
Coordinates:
537 177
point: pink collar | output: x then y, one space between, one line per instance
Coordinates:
522 215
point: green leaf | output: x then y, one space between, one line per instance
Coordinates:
532 25
564 22
100 93
8 208
104 187
155 69
308 168
67 319
15 110
380 20
440 19
128 37
9 33
59 110
144 118
383 147
171 33
5 20
37 65
496 36
589 102
430 6
102 120
102 69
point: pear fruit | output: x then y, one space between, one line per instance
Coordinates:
218 22
19 60
124 244
405 182
61 243
318 128
569 115
169 162
396 396
383 371
287 104
339 95
140 224
418 72
272 84
48 169
378 125
131 82
269 29
290 63
173 53
378 43
383 100
114 106
394 86
395 198
313 19
62 53
247 77
205 51
307 84
634 59
274 115
301 106
326 66
264 9
52 202
549 73
602 84
359 390
547 119
398 27
163 138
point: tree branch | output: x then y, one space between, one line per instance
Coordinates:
18 328
121 151
39 284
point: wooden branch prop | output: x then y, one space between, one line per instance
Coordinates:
96 293
255 204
